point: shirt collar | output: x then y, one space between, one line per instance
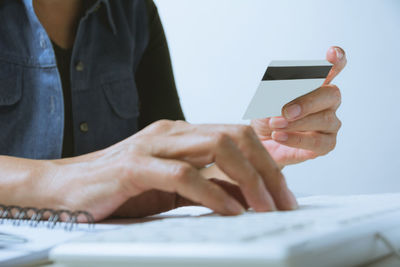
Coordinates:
95 6
90 5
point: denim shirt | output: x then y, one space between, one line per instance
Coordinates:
104 95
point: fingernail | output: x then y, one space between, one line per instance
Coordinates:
278 123
339 53
280 136
234 207
292 111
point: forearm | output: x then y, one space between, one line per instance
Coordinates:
25 182
90 182
47 183
97 182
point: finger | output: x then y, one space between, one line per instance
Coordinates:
231 161
179 177
232 189
325 121
258 156
287 155
325 97
204 144
337 57
262 128
313 141
201 146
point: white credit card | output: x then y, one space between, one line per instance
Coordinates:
283 82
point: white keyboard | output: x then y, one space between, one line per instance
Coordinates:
324 231
315 215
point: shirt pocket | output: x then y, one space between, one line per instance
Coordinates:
123 98
10 84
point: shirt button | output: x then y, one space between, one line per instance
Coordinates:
84 127
79 66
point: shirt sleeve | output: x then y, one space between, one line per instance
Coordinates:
154 76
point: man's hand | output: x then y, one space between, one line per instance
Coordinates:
308 126
158 169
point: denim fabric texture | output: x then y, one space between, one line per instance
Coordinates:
104 95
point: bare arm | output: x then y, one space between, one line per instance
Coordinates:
21 181
143 174
74 184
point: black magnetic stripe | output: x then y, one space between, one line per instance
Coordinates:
296 72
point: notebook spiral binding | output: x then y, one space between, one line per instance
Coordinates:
33 217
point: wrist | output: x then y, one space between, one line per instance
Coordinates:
41 185
24 182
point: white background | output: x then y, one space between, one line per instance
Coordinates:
220 49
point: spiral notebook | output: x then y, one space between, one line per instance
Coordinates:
26 238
